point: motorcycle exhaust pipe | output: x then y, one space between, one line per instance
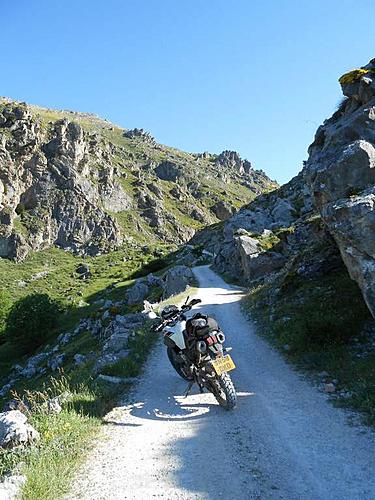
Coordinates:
201 346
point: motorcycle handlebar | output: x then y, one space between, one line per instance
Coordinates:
192 303
195 301
184 307
159 327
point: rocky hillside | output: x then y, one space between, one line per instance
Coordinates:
306 252
83 184
323 216
340 174
90 217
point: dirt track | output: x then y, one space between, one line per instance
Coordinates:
284 440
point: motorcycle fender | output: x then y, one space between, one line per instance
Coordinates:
177 335
168 342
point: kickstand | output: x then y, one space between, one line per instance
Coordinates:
187 392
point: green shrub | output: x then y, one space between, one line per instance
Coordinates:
20 209
153 266
5 305
197 250
333 311
353 76
30 321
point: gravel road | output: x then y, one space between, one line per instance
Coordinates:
283 441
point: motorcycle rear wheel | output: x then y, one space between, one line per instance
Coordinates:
225 394
180 368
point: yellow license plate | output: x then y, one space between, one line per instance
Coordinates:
224 364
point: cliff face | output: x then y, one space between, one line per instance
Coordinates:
327 210
340 173
48 191
82 184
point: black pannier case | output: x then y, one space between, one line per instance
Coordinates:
211 324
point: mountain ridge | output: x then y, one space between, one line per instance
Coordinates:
82 168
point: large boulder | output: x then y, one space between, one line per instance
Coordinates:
10 487
176 280
352 223
137 293
282 213
341 174
116 335
169 171
254 262
14 429
223 210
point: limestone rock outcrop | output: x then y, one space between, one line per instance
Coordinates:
50 192
15 430
340 172
328 207
80 183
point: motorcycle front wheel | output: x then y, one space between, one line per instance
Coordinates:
224 391
178 364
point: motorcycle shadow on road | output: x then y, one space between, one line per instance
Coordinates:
172 408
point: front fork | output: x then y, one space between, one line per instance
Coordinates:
202 377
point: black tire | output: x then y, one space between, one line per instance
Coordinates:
225 394
180 368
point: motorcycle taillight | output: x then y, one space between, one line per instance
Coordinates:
211 339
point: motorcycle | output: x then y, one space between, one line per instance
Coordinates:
196 351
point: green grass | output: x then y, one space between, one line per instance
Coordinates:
111 277
268 242
62 282
67 437
317 320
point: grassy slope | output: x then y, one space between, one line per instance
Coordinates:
317 325
67 437
111 275
132 155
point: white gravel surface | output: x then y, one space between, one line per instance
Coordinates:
283 441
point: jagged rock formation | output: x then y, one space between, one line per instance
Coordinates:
83 184
266 235
139 133
326 210
341 175
231 159
46 179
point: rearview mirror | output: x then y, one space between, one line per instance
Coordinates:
147 306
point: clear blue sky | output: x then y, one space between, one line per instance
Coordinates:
257 76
